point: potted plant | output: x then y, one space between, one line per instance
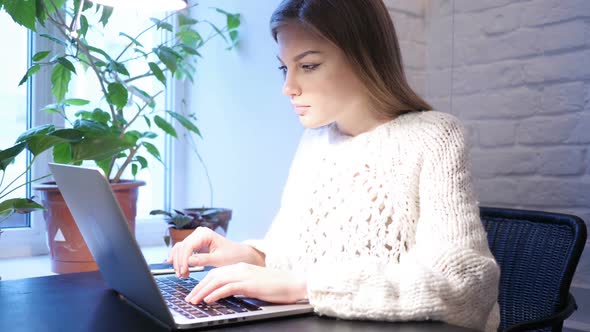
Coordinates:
182 223
107 131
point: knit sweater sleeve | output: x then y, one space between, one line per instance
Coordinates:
448 274
279 233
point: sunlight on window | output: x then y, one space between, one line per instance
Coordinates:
13 65
85 85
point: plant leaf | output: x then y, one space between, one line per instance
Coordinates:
118 67
165 126
22 12
142 161
104 164
134 170
149 134
76 102
99 51
41 55
19 205
118 95
54 39
68 134
152 150
7 156
233 21
144 96
186 123
91 128
233 35
66 63
133 40
98 148
83 26
62 153
217 30
39 130
39 143
132 136
168 56
157 72
30 72
60 80
101 116
186 20
189 50
165 26
106 14
190 37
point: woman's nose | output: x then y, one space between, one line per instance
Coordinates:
291 87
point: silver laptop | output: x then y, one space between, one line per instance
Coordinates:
96 211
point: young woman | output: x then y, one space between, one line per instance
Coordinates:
378 218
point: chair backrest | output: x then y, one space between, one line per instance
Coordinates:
537 253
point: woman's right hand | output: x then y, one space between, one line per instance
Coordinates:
204 247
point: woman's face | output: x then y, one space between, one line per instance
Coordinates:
319 80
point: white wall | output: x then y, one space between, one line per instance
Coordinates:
250 131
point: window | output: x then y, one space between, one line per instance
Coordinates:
13 64
25 238
85 85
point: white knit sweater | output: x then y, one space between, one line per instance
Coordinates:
385 225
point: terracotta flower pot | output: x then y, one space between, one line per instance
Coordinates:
67 249
177 235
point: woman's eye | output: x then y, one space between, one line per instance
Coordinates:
309 67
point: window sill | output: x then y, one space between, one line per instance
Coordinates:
38 266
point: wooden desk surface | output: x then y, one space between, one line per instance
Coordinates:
82 302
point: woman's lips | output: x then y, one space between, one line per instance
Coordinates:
301 109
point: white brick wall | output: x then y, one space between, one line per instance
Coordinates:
517 72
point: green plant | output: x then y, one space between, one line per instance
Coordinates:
107 130
180 220
107 135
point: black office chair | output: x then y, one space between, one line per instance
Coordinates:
538 253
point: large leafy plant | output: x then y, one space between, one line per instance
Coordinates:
110 131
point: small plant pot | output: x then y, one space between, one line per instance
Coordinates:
177 235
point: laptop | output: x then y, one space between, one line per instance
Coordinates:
95 209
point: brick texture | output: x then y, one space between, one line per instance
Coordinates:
517 72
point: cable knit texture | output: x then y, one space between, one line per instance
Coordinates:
385 225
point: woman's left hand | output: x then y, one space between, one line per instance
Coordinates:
251 281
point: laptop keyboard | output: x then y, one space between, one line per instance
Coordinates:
174 291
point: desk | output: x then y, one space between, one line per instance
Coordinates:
82 302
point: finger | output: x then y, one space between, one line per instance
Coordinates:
201 260
234 288
200 285
207 288
196 240
175 258
170 258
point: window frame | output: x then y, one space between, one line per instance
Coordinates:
31 240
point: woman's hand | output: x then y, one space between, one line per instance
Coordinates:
251 281
204 247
